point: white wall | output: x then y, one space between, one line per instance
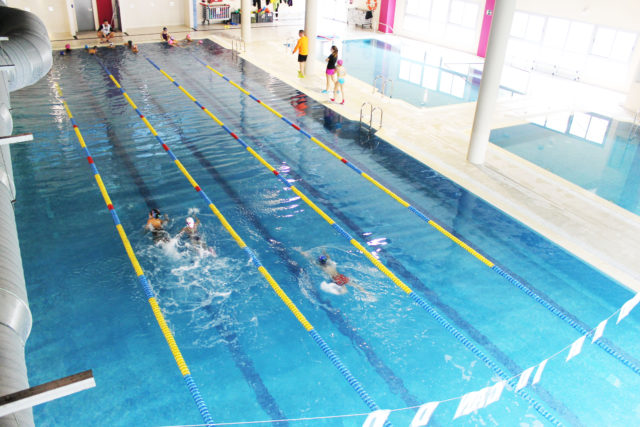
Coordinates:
54 14
153 13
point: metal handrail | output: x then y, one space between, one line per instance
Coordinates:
384 88
236 45
372 109
383 85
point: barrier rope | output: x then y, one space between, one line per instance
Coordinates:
397 281
335 360
500 271
146 286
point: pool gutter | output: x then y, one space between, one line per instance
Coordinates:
24 59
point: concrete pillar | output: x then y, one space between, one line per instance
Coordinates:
490 83
311 30
245 20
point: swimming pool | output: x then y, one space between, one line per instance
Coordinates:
249 356
418 76
590 150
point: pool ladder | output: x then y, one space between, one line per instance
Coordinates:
237 45
384 84
372 110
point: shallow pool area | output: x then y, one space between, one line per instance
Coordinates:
421 77
592 151
250 357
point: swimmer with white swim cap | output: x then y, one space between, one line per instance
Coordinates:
191 230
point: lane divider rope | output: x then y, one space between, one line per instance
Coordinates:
500 271
146 286
317 338
397 281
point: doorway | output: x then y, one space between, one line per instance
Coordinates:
105 12
84 15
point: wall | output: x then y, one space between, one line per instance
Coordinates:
54 14
153 13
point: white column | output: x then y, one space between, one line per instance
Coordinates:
245 20
490 83
311 30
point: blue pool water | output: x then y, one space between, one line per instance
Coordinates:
419 77
250 357
597 153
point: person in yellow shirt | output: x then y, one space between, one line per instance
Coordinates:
303 50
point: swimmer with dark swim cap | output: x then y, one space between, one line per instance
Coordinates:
155 224
339 281
330 268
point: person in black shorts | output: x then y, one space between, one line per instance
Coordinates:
303 50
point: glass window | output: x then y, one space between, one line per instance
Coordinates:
440 11
415 24
430 78
463 13
470 18
519 24
418 8
558 122
579 125
555 33
579 38
458 85
535 28
597 130
456 12
623 46
416 73
405 70
603 42
445 82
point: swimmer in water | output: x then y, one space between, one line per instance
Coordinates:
155 224
338 280
191 230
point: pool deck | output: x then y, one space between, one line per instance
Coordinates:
593 229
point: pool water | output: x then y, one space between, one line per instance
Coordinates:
415 75
250 357
594 152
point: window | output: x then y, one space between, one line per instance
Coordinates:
623 46
410 71
463 13
582 125
440 11
579 37
528 27
556 33
603 42
589 127
430 78
418 8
